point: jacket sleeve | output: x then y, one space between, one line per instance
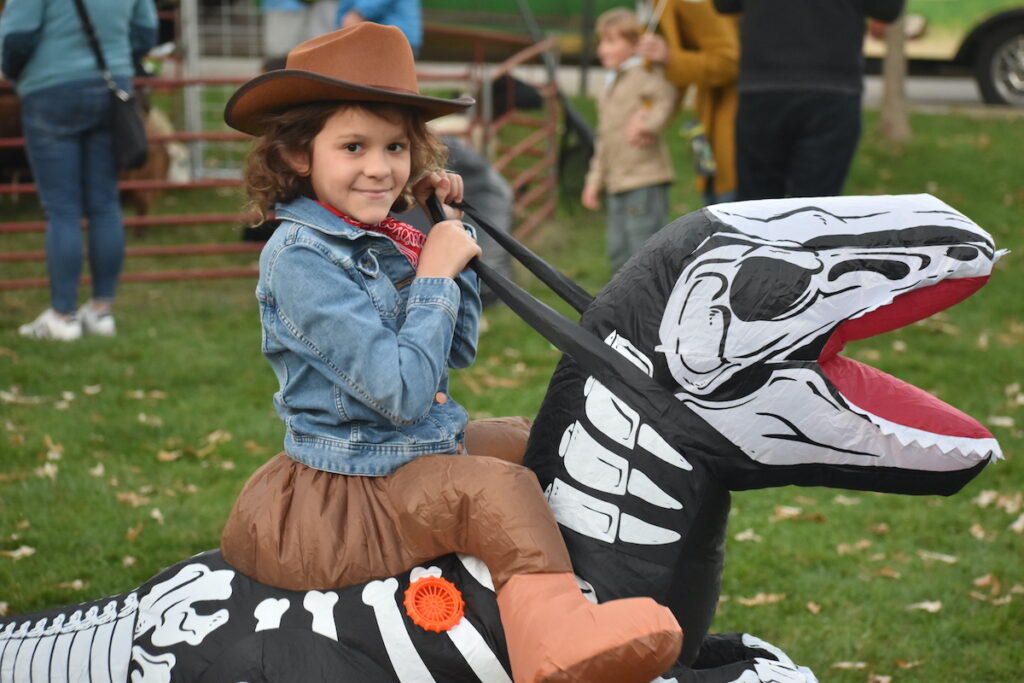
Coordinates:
374 10
467 323
883 10
143 29
663 98
335 327
21 26
703 45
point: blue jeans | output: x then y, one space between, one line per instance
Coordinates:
633 216
68 140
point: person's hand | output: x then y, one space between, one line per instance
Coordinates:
446 186
636 132
449 247
351 18
591 198
652 48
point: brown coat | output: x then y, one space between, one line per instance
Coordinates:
704 51
618 165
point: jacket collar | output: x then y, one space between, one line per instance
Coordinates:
314 215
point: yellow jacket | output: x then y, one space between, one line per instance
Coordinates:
703 50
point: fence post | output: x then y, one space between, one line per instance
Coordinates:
188 18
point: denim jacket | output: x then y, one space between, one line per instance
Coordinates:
361 348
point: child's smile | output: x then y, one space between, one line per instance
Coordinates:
360 164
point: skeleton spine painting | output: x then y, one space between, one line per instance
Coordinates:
725 373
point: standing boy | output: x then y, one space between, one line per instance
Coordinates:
631 160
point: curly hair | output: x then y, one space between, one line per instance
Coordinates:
270 179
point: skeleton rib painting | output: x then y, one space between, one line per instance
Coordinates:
725 373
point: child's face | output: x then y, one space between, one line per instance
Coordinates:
360 164
613 49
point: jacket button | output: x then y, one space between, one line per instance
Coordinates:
440 398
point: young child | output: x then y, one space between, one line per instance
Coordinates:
362 315
631 161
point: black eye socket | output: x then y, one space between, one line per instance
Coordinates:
962 253
891 270
765 288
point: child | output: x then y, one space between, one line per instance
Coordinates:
631 161
361 317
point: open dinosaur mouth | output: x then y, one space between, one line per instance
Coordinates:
894 406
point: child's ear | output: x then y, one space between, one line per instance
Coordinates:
299 161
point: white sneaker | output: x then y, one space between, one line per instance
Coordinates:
100 323
50 325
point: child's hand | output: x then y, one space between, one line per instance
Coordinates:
652 48
445 185
591 198
448 249
636 133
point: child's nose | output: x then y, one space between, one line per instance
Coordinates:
376 164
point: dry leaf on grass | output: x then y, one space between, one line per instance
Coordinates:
907 664
929 556
254 448
20 553
134 532
47 471
92 389
845 500
23 525
848 548
157 515
813 608
879 678
978 532
880 529
1000 421
930 606
150 420
985 498
1017 526
747 535
889 573
850 666
762 599
785 512
98 471
128 561
74 585
132 498
167 456
4 607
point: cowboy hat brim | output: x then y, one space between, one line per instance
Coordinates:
278 90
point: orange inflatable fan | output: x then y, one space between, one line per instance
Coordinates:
433 603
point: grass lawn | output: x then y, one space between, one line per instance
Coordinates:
121 456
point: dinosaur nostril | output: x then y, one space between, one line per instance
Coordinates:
765 288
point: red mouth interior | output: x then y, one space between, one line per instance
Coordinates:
889 397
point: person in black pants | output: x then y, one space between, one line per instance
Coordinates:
799 116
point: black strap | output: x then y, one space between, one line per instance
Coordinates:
559 282
94 44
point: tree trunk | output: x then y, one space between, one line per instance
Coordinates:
894 119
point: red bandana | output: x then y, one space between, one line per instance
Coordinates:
408 239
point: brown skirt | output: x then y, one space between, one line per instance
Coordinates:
299 528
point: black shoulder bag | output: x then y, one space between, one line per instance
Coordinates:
128 131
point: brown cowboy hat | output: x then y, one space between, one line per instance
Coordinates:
366 62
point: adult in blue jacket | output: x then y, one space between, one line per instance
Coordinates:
407 15
66 116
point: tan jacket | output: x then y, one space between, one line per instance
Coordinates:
704 51
617 165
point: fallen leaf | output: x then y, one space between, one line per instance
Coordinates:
980 597
1005 600
978 532
75 585
880 529
132 498
1001 421
1010 504
48 470
990 581
92 389
905 664
151 420
846 500
167 456
23 525
930 606
1018 525
3 609
783 512
854 666
889 573
1017 589
20 553
928 555
54 451
157 515
747 535
218 436
985 498
813 608
879 678
134 532
6 477
804 500
227 465
98 471
254 448
859 546
128 561
762 599
500 382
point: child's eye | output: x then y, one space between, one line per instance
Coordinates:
396 146
353 147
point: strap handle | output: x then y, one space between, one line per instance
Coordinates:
94 45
